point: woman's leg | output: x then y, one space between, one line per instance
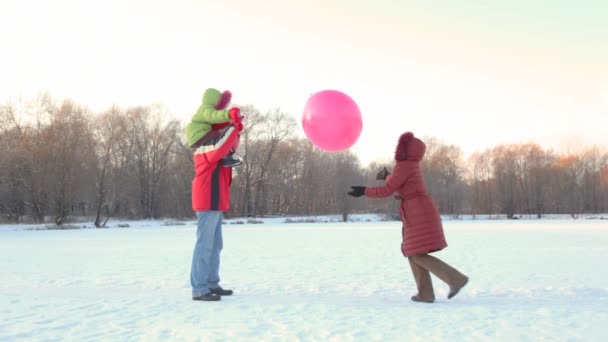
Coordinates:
443 271
423 283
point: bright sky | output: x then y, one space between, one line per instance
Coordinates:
473 73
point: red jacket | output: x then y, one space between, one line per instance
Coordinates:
211 183
422 228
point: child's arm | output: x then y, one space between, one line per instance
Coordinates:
211 116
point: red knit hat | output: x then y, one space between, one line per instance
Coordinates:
224 100
409 148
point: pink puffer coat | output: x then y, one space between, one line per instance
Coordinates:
422 229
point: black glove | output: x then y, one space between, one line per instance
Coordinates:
382 174
357 191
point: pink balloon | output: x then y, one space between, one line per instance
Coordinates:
332 120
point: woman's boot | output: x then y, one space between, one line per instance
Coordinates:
443 271
424 284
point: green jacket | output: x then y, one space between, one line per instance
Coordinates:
205 116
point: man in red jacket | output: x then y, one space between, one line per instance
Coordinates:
210 199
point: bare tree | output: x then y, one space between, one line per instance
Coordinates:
481 183
109 132
275 127
593 162
11 196
177 188
151 142
444 174
345 172
535 176
70 141
31 122
506 178
283 178
569 177
313 180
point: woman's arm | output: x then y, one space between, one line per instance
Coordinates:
393 182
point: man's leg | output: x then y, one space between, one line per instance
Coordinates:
214 274
201 257
218 243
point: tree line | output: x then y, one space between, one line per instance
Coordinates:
59 161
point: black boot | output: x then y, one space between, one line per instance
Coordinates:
230 161
221 292
207 297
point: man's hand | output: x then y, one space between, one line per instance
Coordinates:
382 174
357 191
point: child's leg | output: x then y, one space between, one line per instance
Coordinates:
229 160
209 139
212 137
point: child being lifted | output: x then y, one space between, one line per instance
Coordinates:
207 125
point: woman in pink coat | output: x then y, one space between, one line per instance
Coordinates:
422 230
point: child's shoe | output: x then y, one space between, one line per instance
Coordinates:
230 161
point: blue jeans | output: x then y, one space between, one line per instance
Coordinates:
204 273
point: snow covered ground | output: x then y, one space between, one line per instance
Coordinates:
530 280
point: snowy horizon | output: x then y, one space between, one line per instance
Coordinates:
289 220
530 280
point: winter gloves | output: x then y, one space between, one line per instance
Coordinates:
357 191
382 174
236 117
